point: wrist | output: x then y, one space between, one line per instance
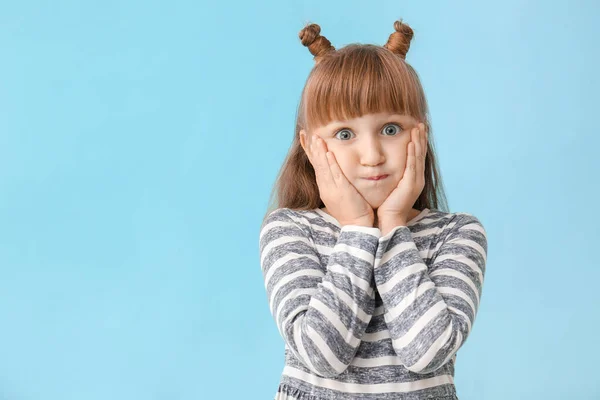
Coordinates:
362 222
387 225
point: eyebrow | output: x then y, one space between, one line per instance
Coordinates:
339 124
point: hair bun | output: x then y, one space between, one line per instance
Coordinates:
317 45
399 41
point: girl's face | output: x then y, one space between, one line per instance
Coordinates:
371 145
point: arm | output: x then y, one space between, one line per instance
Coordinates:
321 311
430 311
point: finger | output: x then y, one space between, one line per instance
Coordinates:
425 143
424 134
410 171
417 143
312 145
336 171
420 157
422 137
312 156
316 162
324 168
423 156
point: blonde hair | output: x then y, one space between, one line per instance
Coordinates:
347 83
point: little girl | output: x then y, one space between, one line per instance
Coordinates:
373 286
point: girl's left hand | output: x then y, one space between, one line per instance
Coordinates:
399 203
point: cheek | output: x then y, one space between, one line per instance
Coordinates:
347 164
398 158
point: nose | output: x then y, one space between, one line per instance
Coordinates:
371 153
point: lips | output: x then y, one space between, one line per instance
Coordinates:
376 178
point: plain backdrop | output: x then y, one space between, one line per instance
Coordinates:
139 142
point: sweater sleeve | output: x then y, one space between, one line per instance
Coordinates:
430 310
321 311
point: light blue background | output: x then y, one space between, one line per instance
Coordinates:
139 142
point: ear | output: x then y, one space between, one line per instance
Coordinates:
303 139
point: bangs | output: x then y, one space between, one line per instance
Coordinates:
359 80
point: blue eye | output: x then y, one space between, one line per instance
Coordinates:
390 125
343 130
386 129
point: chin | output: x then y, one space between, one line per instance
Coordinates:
375 199
375 204
375 196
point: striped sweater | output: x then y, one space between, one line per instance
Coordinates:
367 316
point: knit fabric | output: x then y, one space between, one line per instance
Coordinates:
371 316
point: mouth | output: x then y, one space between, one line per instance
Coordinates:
377 178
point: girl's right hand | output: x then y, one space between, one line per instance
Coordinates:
341 198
